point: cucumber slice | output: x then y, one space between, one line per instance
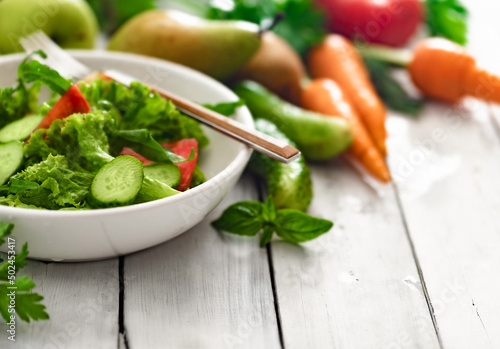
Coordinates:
153 189
166 173
11 158
20 129
117 183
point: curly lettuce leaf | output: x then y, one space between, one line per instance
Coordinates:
58 185
138 108
81 138
16 102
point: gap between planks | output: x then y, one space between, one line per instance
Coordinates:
417 265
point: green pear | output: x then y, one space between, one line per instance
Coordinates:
216 48
70 23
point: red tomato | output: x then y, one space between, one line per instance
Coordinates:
131 152
70 103
387 22
183 148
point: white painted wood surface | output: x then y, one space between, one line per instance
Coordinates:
448 167
202 290
82 301
358 286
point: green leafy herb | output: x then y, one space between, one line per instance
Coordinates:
296 226
391 92
5 231
143 143
27 306
447 18
302 27
32 70
226 109
243 218
250 217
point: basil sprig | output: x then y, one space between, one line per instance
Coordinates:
248 218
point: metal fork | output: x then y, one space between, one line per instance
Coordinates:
69 67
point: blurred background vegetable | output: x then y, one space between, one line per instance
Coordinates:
277 66
388 22
302 27
448 19
111 14
336 58
325 96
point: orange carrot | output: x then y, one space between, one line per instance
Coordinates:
444 70
327 97
337 59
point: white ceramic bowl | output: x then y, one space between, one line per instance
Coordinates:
97 234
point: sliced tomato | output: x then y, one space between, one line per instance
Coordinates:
131 152
183 148
70 103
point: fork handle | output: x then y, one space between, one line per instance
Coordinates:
257 140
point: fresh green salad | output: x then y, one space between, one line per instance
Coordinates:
94 144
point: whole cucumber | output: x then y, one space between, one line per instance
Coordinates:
317 136
289 185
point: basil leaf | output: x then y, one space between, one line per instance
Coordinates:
242 218
447 18
295 226
269 212
144 144
267 235
390 91
226 109
35 71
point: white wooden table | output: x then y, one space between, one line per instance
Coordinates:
410 265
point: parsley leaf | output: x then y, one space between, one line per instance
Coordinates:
5 230
27 304
248 218
447 18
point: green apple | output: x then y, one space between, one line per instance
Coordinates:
70 23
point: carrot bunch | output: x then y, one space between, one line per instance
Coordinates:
343 88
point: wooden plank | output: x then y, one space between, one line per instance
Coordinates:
451 202
447 167
82 301
357 286
201 289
